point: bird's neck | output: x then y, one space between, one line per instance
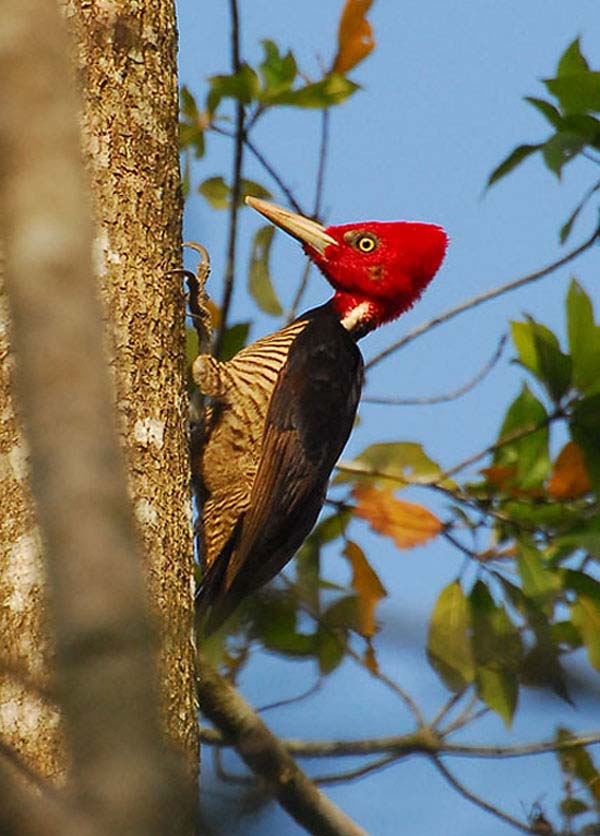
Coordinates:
358 316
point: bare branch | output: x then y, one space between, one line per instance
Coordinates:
275 175
480 802
236 183
475 301
323 148
449 396
424 741
309 692
509 438
392 685
267 758
359 772
300 291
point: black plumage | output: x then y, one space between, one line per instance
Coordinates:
308 419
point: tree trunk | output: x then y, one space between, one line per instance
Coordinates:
125 59
28 723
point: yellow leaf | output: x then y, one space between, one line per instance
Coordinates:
370 659
406 523
369 589
355 36
569 479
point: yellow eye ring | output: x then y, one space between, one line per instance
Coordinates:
366 244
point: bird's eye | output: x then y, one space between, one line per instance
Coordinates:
366 244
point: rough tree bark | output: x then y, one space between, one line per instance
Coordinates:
125 57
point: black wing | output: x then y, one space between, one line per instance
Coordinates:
308 422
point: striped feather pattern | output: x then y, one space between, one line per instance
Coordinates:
241 390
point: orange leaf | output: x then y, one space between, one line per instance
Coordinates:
503 476
370 659
500 475
406 523
355 36
369 589
569 479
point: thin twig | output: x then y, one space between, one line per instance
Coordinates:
466 719
291 315
316 211
449 396
446 709
509 438
353 774
314 688
392 685
323 148
236 183
480 802
483 297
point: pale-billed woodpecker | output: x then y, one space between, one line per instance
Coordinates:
282 409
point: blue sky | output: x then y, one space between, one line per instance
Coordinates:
441 106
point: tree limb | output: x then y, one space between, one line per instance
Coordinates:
424 741
268 759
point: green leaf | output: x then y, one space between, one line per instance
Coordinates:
331 90
330 646
586 127
278 71
449 644
528 455
308 559
515 158
572 61
191 130
539 582
397 463
586 617
571 807
259 280
275 621
499 690
216 191
585 430
585 612
498 652
585 536
539 351
242 86
577 92
584 340
561 149
234 339
254 189
578 763
548 111
566 635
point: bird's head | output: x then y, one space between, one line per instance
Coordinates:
378 269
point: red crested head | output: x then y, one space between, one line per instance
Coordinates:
378 269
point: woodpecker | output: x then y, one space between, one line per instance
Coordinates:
282 409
